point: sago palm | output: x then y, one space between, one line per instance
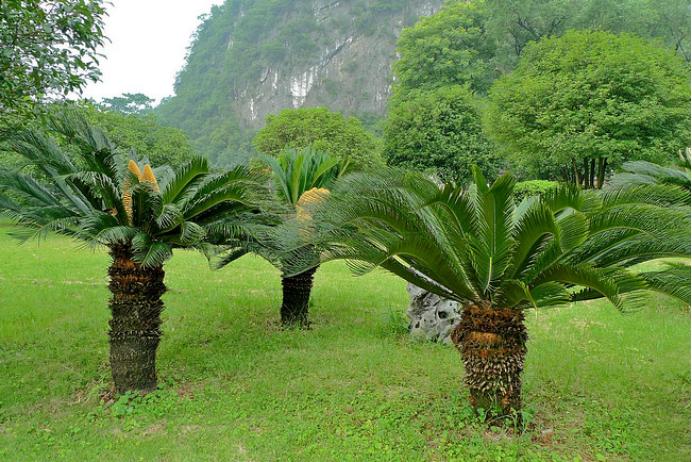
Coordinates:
642 172
96 195
301 178
498 258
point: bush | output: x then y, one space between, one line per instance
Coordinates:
324 130
529 188
439 131
580 105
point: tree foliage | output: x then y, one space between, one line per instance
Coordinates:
515 23
474 42
448 48
475 245
530 188
642 173
296 172
49 48
144 134
98 194
439 131
330 132
128 103
582 104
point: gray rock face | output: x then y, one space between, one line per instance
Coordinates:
431 317
252 58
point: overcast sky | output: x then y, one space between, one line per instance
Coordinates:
147 45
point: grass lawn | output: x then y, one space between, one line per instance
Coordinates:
600 385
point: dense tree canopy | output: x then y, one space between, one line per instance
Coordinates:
474 42
451 47
48 49
128 103
583 103
144 134
324 130
514 23
438 131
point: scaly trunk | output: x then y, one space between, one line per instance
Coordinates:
492 343
135 321
296 298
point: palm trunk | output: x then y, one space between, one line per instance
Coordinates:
492 343
135 321
296 298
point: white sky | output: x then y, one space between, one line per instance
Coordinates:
148 41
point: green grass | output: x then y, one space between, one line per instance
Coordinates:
600 385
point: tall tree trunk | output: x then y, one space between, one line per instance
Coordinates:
135 321
602 165
585 175
296 298
592 173
492 343
577 177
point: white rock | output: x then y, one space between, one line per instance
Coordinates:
431 316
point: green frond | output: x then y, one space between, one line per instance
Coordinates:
183 179
474 245
674 280
647 173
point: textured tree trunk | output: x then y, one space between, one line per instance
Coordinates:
135 321
296 298
602 165
592 173
577 176
492 343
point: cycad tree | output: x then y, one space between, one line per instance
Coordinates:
647 173
96 195
301 178
497 258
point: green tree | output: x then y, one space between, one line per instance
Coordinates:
128 103
515 23
143 133
450 47
139 214
48 49
323 130
301 179
579 105
497 259
439 131
474 42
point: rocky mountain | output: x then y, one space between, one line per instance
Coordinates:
250 58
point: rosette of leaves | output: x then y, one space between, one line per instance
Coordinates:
301 180
498 258
79 185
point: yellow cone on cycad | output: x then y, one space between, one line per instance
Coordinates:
144 177
310 197
148 177
134 168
